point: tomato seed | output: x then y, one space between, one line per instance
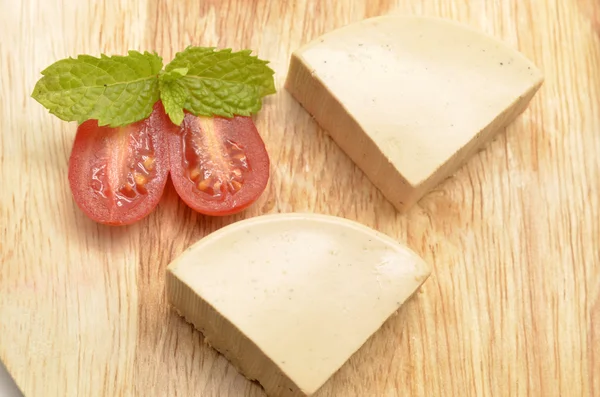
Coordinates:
140 179
148 163
194 174
235 185
204 184
127 191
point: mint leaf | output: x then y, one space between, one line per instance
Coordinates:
173 93
115 90
222 83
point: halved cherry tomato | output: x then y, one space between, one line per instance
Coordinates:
219 166
117 175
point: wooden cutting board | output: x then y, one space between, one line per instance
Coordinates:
513 305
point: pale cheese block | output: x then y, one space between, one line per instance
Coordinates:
410 99
289 298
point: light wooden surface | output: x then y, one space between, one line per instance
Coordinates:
513 306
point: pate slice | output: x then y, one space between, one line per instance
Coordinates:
410 99
289 298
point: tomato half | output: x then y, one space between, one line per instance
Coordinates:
219 166
117 175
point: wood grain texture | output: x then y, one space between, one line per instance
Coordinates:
513 305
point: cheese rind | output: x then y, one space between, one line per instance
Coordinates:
410 99
288 298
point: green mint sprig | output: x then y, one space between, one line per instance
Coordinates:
121 90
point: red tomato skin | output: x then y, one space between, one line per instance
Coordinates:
92 143
239 129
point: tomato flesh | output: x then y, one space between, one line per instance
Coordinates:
117 175
219 166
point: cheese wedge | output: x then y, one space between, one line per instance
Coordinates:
288 298
410 99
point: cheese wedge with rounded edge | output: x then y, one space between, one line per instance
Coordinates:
288 298
410 99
